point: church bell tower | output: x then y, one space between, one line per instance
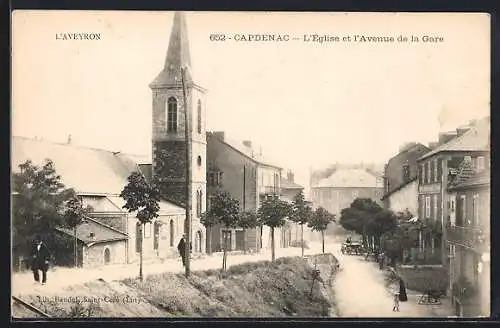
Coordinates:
168 124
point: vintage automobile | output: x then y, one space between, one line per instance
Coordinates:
352 248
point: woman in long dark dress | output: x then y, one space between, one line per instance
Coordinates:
402 291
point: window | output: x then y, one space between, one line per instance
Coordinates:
428 172
172 115
199 200
432 171
463 201
172 233
209 201
435 204
436 171
420 174
427 207
480 163
199 116
214 179
199 160
475 209
355 194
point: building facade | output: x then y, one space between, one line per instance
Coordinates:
176 93
343 186
290 189
111 235
400 175
438 168
468 236
237 168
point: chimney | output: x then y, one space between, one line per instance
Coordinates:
219 135
69 139
433 145
444 137
92 236
463 129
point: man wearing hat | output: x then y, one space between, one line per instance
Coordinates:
40 262
181 247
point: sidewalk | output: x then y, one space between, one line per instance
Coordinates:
57 278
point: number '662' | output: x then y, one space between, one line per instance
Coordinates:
217 37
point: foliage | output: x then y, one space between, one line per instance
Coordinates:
223 209
208 221
320 219
302 212
38 206
141 196
273 212
75 212
248 220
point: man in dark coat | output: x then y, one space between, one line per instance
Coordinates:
40 262
181 247
402 291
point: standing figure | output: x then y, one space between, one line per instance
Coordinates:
181 247
381 259
395 307
402 291
40 262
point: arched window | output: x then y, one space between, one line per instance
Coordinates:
172 114
199 116
171 233
107 255
198 207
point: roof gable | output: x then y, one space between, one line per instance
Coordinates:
476 139
349 178
101 231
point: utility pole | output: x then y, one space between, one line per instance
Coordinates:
187 134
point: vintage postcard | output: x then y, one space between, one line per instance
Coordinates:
250 164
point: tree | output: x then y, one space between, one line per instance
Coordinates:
37 207
319 222
273 213
141 197
74 215
224 209
247 220
301 214
209 221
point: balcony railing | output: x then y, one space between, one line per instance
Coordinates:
472 237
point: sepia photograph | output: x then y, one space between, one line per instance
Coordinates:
202 164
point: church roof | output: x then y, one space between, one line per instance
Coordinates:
90 171
178 55
101 232
350 178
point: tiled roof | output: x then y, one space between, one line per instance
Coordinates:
91 172
349 178
465 171
87 170
246 151
476 139
286 184
102 232
477 179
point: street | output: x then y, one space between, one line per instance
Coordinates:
360 291
359 288
22 283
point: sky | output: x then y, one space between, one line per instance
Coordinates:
307 104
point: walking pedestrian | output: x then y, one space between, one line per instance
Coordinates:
402 291
181 247
395 307
40 261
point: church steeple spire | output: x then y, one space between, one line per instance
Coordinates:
177 55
